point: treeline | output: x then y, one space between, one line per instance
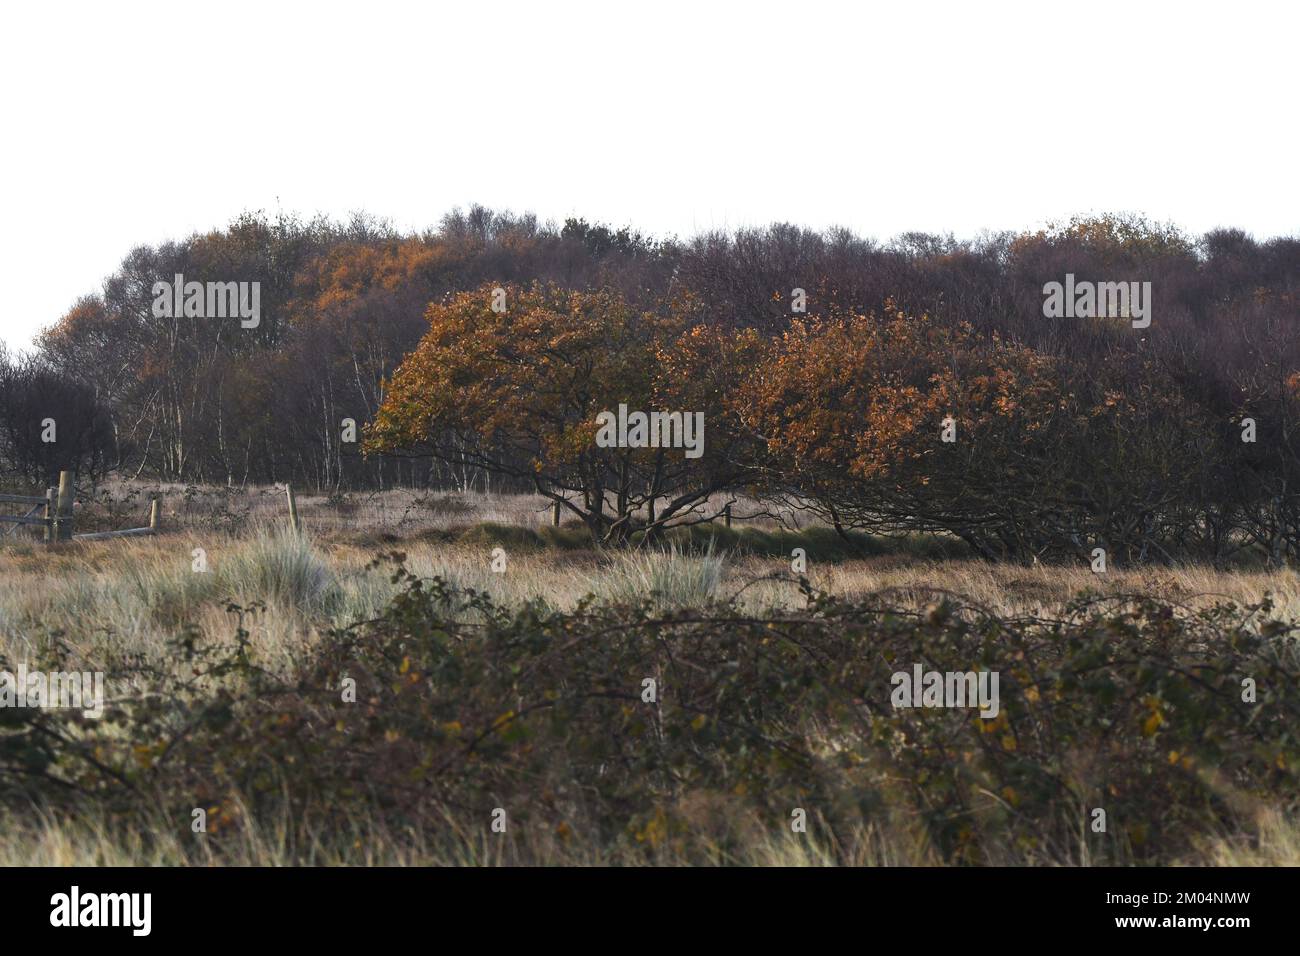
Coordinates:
825 364
209 400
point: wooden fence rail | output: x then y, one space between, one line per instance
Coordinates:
59 518
42 503
25 519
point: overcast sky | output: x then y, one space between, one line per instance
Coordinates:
131 123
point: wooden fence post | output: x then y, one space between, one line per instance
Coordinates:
293 507
63 519
555 516
726 513
154 509
49 515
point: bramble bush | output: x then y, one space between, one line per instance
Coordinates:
462 706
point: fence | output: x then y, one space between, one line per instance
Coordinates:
59 518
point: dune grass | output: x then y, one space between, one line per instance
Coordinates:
130 595
106 601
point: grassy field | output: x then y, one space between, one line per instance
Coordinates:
118 607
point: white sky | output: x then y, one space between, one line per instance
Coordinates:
132 123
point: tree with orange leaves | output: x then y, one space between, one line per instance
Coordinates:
519 390
893 424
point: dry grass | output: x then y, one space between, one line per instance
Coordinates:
130 596
400 511
133 594
43 841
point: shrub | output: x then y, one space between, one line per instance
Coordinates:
493 534
461 707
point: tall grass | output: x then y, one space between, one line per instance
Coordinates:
131 597
667 579
281 567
